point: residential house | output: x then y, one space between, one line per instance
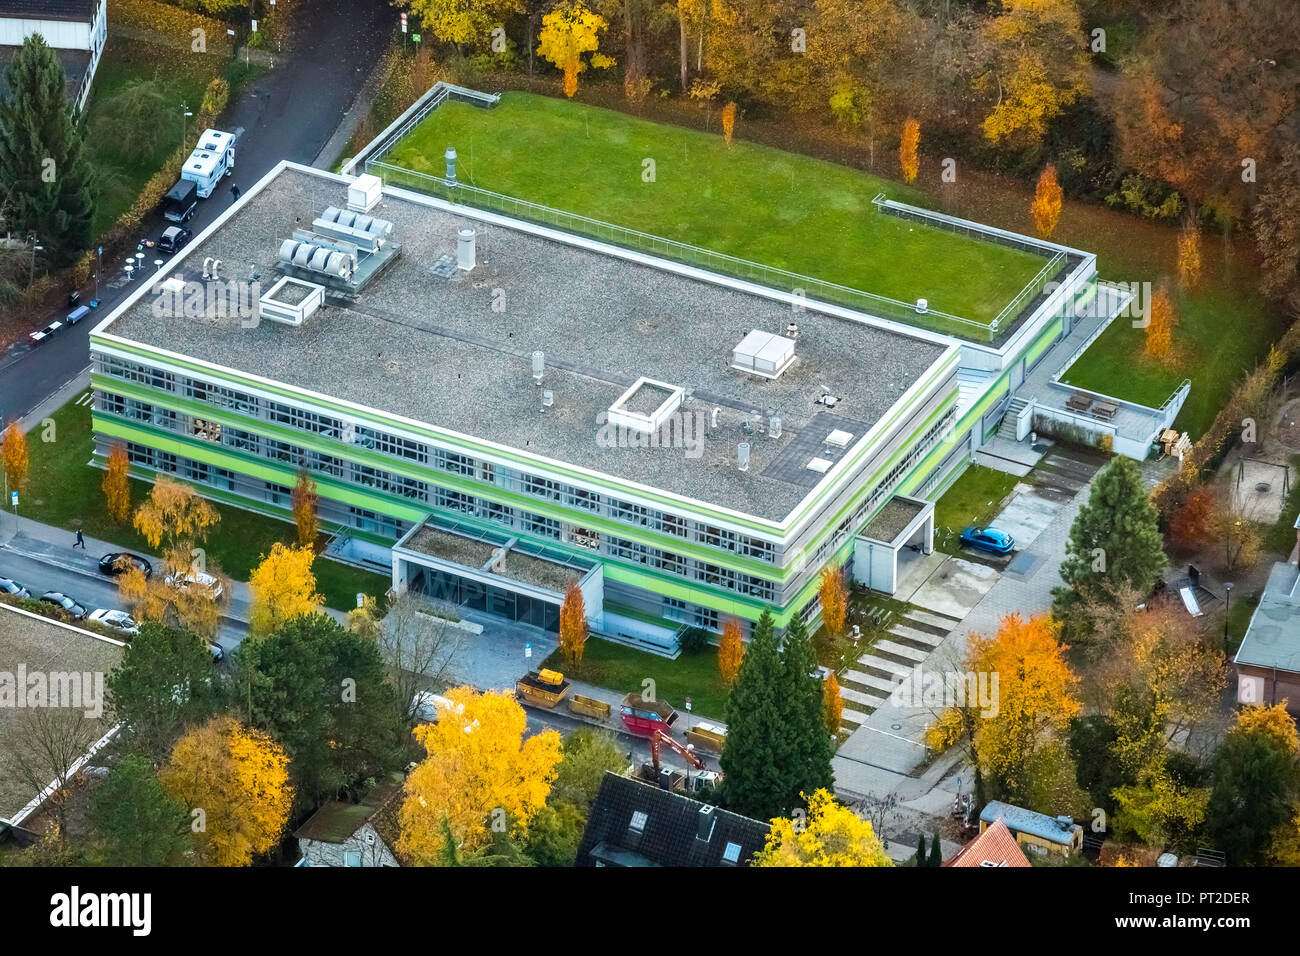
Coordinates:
75 29
354 834
1268 661
639 824
995 846
1035 832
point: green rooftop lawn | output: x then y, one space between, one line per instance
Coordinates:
772 207
62 489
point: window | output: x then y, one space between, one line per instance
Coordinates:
108 402
208 431
638 822
454 500
543 487
674 610
454 463
706 617
351 857
496 512
276 494
731 853
718 538
536 524
587 500
629 512
673 524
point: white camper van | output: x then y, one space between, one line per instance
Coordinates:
212 158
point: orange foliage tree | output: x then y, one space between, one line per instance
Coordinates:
13 456
731 651
573 626
1189 254
480 775
1033 704
835 600
728 122
117 485
833 703
1192 522
1048 198
235 781
1160 326
283 588
304 500
908 159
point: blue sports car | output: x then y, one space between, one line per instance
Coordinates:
988 539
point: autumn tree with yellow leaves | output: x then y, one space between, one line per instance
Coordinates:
304 501
1048 198
835 600
235 782
908 147
1189 254
283 588
728 122
831 835
731 651
479 773
117 484
466 23
13 456
569 31
174 517
1019 739
832 703
573 626
1037 65
1161 320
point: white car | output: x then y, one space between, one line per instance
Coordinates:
200 578
117 620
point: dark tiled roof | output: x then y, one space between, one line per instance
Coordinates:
335 821
670 834
48 9
75 64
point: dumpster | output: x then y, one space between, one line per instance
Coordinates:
544 688
590 707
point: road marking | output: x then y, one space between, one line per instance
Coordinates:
86 399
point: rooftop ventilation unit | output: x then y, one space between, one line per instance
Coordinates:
819 465
774 426
290 301
466 255
646 406
539 366
368 233
742 456
762 353
839 439
365 192
314 257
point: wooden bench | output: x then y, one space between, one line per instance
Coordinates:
1104 411
1078 402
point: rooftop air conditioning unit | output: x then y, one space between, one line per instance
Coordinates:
762 353
365 192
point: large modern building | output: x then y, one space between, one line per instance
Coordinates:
493 409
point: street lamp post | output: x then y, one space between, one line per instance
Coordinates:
1227 606
36 247
185 124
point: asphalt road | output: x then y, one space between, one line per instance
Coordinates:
83 583
289 113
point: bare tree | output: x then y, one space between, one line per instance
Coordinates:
44 746
420 647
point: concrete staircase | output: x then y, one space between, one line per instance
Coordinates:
909 641
1007 429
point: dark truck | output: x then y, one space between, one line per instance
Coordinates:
179 203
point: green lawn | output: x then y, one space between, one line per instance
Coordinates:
974 498
773 207
63 490
1223 331
125 162
623 669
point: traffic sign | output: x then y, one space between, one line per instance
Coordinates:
403 22
415 37
13 498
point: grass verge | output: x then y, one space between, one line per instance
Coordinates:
624 669
64 490
974 498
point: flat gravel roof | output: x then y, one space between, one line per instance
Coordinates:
456 353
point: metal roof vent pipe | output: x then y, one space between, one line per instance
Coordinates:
548 398
774 426
450 157
466 249
539 366
792 330
742 456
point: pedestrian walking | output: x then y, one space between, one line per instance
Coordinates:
234 193
81 541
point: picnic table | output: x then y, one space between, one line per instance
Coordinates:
1078 402
1104 410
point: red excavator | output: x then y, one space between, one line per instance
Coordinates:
701 781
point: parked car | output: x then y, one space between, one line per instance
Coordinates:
118 562
59 599
173 238
11 587
117 620
217 652
988 539
199 578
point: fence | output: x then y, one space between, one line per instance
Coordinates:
434 97
780 279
